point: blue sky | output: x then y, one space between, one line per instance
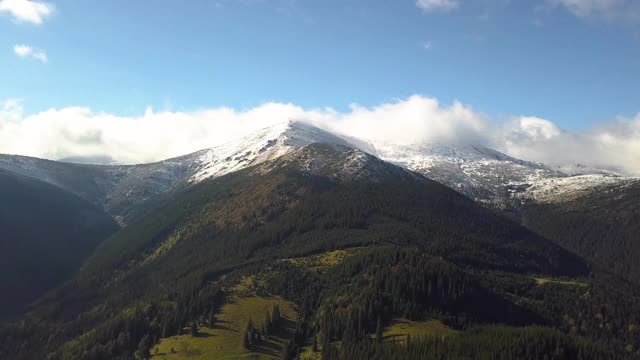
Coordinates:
575 66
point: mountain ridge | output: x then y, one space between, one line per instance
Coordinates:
483 174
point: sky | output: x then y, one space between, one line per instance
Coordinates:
548 80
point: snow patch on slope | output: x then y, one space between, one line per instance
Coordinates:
338 162
556 190
480 173
581 169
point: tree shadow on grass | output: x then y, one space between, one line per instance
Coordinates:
267 347
287 328
272 345
203 335
222 327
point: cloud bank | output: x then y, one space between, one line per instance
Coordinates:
77 132
26 51
615 143
34 12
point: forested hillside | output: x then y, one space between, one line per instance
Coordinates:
352 247
46 234
602 226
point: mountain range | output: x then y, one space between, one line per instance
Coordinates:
345 240
480 173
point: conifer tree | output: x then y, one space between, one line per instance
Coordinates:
194 329
212 319
285 351
165 329
245 341
248 338
144 347
268 324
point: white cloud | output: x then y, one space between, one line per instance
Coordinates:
535 127
609 10
437 5
77 131
80 132
25 51
615 143
10 111
412 120
34 12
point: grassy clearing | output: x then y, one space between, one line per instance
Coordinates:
542 281
224 340
307 354
249 285
322 261
397 331
400 328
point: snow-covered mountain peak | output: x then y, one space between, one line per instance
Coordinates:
266 144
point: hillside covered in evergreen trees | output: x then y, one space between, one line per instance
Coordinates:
46 234
601 226
411 249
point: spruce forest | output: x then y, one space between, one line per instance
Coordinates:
278 261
